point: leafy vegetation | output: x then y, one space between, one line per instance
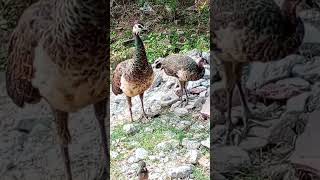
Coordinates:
200 174
177 32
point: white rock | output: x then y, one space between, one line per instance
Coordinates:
193 156
148 129
181 111
114 154
129 129
205 83
203 94
298 103
181 171
193 84
296 82
206 143
141 153
253 143
169 99
262 73
308 71
199 102
230 159
167 145
190 144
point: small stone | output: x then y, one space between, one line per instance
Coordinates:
129 129
155 109
253 143
198 90
170 84
190 144
205 84
298 83
261 132
205 111
194 84
181 111
230 159
175 105
131 159
204 162
114 154
26 125
199 102
183 124
206 143
189 107
298 103
168 100
193 156
308 71
263 73
180 172
203 94
141 153
148 129
206 74
167 145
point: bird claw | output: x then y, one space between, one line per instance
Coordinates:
144 117
229 137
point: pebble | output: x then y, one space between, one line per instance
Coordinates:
141 153
129 129
193 156
181 111
190 144
180 171
206 143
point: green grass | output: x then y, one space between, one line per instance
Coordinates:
165 37
148 140
200 174
159 44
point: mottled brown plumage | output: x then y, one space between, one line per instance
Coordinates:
58 52
184 68
134 76
244 31
305 172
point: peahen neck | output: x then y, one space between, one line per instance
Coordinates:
140 55
288 10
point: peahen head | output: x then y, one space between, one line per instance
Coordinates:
138 28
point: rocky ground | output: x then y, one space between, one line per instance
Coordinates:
174 143
287 93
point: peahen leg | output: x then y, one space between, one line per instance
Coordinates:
246 113
185 90
144 115
100 110
130 106
229 124
61 120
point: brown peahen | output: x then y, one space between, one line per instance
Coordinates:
245 31
134 76
184 68
58 52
